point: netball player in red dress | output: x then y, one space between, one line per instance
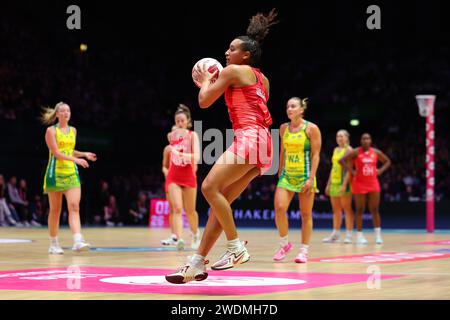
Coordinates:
181 178
173 238
362 163
246 93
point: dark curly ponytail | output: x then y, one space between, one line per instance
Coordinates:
256 32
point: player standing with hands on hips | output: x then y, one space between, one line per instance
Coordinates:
362 163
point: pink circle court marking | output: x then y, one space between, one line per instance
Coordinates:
142 280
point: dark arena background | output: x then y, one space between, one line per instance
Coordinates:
124 73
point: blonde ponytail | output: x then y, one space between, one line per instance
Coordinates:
303 102
346 134
48 115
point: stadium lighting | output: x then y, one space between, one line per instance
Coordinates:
83 47
354 122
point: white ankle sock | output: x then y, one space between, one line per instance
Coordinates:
234 245
377 232
349 234
360 234
198 260
304 247
54 241
284 241
77 237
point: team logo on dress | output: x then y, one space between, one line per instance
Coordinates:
260 94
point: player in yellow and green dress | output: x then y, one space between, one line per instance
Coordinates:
338 188
61 177
299 156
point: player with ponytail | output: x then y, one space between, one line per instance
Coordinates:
246 92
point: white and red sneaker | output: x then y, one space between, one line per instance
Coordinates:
302 257
282 252
187 273
230 259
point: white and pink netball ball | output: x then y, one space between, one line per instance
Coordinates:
211 64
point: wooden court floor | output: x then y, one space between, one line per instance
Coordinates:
415 279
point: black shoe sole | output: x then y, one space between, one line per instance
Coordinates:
180 279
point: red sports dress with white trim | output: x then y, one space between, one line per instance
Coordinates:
366 178
250 118
181 171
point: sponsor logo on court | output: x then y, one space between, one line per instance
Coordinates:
388 257
140 280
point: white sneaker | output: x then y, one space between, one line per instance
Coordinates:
55 249
361 240
187 273
19 225
170 241
81 246
379 240
348 239
195 240
180 244
27 224
333 238
35 223
230 259
302 256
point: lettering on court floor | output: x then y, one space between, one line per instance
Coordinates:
388 257
141 280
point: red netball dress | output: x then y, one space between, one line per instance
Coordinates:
366 178
181 171
250 118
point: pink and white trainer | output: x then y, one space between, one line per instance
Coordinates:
282 252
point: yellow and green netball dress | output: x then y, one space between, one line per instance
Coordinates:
338 174
62 175
297 160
